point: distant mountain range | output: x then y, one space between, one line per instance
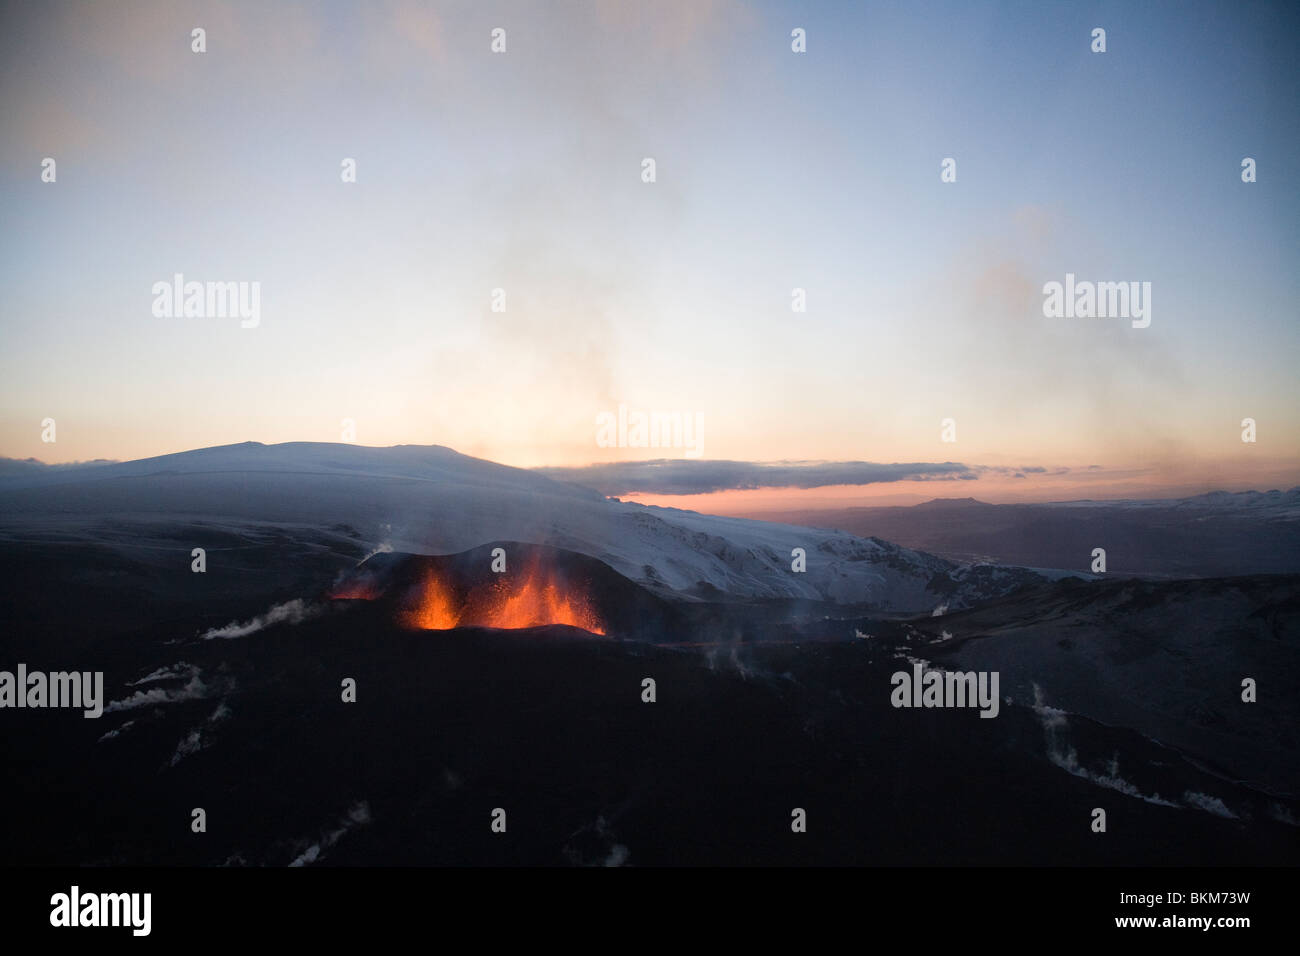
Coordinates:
1210 535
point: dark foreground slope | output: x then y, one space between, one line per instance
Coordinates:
762 707
1165 658
549 725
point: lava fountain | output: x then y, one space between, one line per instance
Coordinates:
534 598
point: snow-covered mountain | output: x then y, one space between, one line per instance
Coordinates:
1274 503
433 500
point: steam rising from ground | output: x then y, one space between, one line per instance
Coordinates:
194 690
358 815
175 671
1054 726
290 612
195 740
384 548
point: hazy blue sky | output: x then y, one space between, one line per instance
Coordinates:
775 170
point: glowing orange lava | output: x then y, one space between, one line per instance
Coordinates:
437 610
355 591
532 599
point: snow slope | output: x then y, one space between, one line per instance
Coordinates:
433 500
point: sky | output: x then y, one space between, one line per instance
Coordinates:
522 171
